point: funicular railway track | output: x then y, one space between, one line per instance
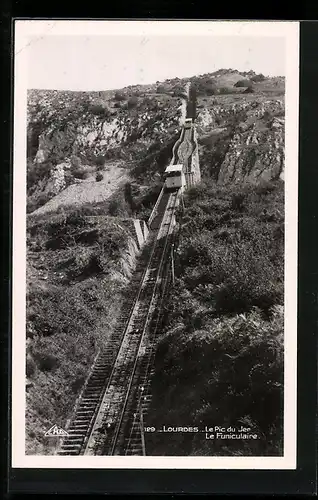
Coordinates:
134 443
184 154
110 395
108 417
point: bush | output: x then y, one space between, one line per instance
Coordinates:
37 201
258 78
80 173
132 102
99 110
119 96
117 207
225 90
237 202
75 162
230 370
46 362
161 89
99 177
37 172
100 161
243 83
205 87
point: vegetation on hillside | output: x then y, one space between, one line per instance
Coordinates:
220 357
75 284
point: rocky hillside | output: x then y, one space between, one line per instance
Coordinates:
242 139
104 152
76 137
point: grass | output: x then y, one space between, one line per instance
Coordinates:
74 291
220 356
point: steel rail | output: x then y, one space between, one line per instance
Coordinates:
83 435
153 298
100 411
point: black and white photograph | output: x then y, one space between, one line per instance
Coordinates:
155 244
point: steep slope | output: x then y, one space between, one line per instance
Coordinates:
104 152
78 269
242 139
73 136
220 357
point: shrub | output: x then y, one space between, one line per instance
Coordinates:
249 90
46 362
37 172
161 89
117 207
72 313
37 201
225 90
243 83
229 370
99 110
99 177
206 88
80 173
119 96
100 161
132 102
237 202
258 78
75 162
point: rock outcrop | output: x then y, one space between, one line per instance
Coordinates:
70 135
243 141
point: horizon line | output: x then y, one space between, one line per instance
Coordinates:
157 82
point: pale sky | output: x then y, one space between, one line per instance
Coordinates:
108 62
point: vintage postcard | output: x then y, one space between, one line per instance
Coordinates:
155 244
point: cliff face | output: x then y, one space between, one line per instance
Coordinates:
242 141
